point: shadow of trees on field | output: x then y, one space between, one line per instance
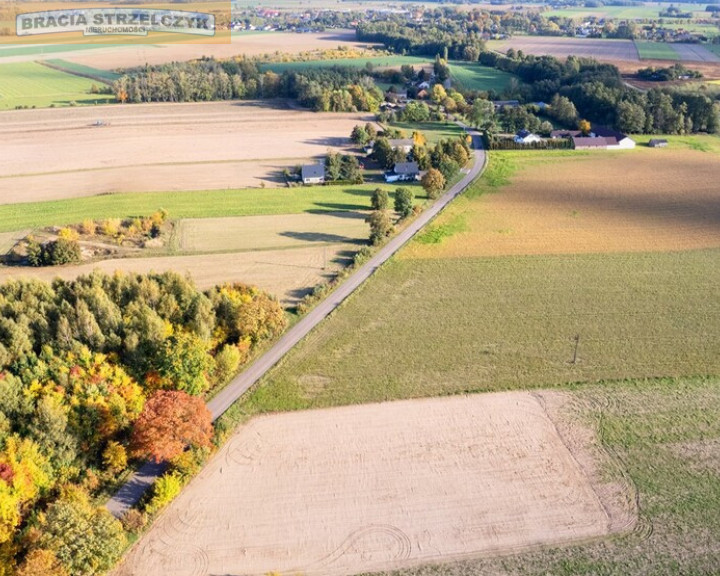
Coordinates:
321 237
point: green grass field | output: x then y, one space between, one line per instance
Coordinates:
434 327
474 76
714 48
433 131
86 71
470 76
650 11
376 61
196 204
32 84
7 51
655 51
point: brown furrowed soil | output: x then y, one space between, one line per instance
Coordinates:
382 486
160 147
288 274
631 201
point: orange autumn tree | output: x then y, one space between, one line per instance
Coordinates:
170 422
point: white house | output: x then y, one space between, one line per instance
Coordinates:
403 172
526 137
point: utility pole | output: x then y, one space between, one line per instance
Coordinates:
577 342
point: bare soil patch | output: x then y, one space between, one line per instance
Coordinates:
288 274
156 147
265 232
376 487
645 200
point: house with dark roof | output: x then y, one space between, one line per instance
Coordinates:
658 143
403 172
313 173
526 137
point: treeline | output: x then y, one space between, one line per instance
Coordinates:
81 364
455 38
598 93
335 89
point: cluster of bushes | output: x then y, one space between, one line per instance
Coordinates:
91 371
668 73
53 252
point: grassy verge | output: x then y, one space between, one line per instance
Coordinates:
195 204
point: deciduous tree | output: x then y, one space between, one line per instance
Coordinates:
170 422
433 182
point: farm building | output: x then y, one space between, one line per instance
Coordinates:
658 143
403 172
526 137
313 174
404 144
600 137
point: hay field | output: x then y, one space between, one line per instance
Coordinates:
599 49
266 232
384 486
643 200
289 274
160 147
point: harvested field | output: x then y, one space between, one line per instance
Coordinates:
695 53
641 201
153 147
288 274
114 57
266 232
387 486
562 47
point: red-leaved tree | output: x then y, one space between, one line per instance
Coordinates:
170 422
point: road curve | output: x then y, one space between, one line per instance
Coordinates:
131 492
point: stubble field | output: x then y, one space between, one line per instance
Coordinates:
643 200
138 54
386 486
152 147
562 47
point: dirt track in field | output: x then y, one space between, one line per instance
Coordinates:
624 201
156 147
288 274
382 486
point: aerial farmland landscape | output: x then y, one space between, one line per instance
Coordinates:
359 288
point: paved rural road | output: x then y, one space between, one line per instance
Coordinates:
131 492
